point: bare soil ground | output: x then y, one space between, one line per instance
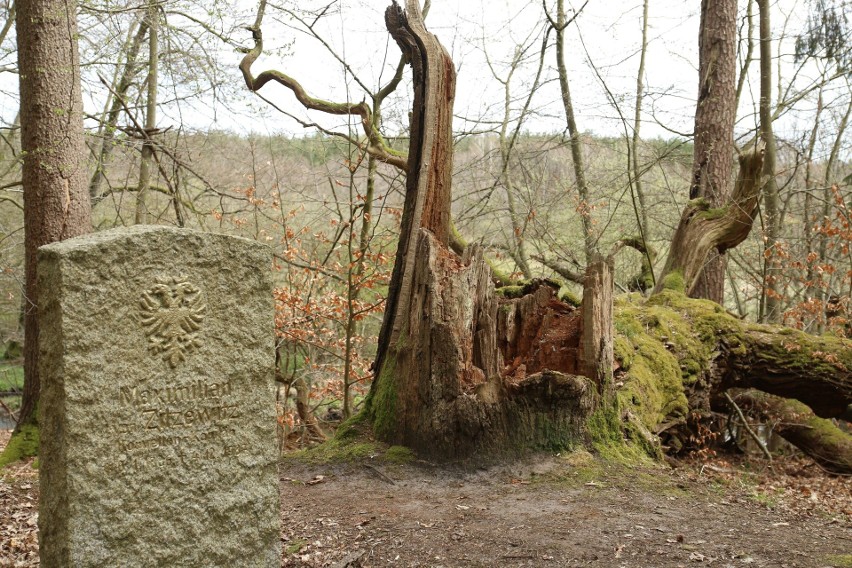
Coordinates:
542 511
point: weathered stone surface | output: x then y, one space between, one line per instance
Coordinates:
157 413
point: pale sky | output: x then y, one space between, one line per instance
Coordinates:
607 37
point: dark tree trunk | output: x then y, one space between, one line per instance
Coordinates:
429 182
714 125
56 203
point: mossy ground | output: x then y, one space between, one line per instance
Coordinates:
581 468
353 442
22 445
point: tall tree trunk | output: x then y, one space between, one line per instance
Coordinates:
772 221
714 125
56 203
429 181
146 165
576 144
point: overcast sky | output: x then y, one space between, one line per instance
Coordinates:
606 38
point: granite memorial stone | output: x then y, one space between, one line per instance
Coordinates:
157 414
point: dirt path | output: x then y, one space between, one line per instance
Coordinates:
546 511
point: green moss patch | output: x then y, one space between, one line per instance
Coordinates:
381 403
569 297
294 546
674 281
399 455
653 388
335 451
24 444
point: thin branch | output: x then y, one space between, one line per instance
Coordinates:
376 144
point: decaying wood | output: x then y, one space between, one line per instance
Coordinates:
596 347
428 186
444 390
461 371
703 229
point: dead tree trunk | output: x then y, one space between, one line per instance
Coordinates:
597 332
441 386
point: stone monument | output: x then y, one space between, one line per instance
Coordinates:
157 414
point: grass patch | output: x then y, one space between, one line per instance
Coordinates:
768 500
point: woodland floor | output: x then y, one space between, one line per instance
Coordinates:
543 511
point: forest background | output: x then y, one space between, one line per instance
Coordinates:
175 138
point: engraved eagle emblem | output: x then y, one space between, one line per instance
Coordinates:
172 312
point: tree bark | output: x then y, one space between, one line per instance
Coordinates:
703 229
440 384
429 182
690 352
816 371
714 125
56 203
596 351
